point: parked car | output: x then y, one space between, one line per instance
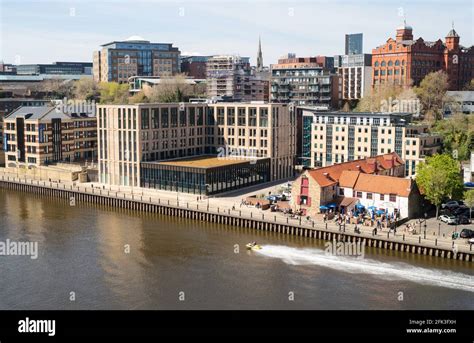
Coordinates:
448 219
466 233
463 220
461 210
272 198
452 204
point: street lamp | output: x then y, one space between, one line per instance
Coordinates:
207 195
426 216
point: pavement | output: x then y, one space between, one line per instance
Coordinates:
435 227
230 203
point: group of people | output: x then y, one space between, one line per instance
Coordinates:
363 218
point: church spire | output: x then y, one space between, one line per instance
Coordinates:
259 56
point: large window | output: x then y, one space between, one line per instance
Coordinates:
200 115
182 117
263 117
174 117
192 116
220 116
230 116
145 118
242 120
252 116
164 118
155 118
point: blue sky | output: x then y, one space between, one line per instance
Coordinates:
36 31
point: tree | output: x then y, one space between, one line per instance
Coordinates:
173 89
439 178
138 98
469 86
55 88
469 200
458 135
374 101
86 89
431 92
113 93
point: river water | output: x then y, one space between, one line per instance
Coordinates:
103 258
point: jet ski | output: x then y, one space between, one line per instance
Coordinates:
253 246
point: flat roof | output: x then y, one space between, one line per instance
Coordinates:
204 161
318 112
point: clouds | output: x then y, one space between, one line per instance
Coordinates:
47 31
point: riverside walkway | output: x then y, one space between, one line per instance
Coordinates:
229 211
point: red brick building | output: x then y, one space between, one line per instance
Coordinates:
316 187
194 66
406 61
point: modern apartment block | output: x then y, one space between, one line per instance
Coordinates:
355 76
333 137
119 60
303 81
194 66
267 130
229 77
35 136
133 137
354 44
56 68
404 60
8 105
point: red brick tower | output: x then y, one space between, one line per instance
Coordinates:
452 59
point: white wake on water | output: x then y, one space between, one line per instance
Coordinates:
388 271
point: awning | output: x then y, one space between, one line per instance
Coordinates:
347 202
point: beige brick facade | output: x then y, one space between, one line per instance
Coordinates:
131 134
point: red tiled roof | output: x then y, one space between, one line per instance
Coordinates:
348 178
383 184
328 176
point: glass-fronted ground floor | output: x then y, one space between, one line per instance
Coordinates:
204 174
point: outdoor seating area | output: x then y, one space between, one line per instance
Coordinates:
371 216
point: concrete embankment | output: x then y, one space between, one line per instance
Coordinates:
263 221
